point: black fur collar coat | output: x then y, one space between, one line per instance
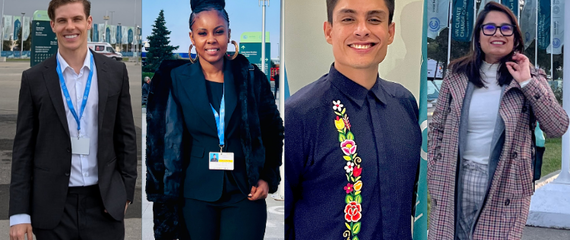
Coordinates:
261 138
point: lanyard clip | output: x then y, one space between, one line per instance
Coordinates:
221 147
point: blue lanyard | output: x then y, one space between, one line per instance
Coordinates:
85 93
220 119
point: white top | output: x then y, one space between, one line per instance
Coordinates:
84 170
483 113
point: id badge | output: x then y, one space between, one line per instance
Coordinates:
80 145
221 160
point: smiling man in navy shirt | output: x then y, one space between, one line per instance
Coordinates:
352 139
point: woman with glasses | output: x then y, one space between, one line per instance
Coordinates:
480 139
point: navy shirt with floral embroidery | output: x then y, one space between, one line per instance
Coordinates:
351 158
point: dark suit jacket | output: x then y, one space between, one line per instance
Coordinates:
260 131
41 161
189 91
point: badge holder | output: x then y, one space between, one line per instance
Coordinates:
221 160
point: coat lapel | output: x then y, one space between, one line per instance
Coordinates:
457 89
103 84
54 89
195 89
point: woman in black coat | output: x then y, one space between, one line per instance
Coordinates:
214 104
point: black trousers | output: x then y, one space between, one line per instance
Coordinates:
84 218
243 219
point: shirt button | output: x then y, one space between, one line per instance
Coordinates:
507 202
68 150
536 96
67 174
515 155
524 109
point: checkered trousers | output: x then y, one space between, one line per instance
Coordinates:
475 177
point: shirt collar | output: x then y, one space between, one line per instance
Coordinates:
353 90
64 65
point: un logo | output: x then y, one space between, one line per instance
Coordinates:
556 43
433 24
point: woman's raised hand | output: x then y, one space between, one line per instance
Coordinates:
519 67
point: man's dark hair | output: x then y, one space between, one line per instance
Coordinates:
331 4
54 4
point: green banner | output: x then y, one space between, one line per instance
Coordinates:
252 51
44 42
462 20
513 5
420 210
543 24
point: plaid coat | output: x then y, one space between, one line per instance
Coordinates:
505 211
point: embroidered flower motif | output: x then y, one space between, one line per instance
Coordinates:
358 186
349 166
356 171
337 106
348 147
339 123
346 122
352 212
353 169
348 188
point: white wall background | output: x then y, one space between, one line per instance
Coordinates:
309 56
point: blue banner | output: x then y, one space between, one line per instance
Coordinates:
95 35
130 36
528 22
513 5
420 209
462 21
557 27
119 35
543 24
17 26
437 14
108 35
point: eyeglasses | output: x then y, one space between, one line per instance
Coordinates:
491 29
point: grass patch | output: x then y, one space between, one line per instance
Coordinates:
552 160
17 59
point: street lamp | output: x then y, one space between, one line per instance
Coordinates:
264 4
112 16
2 30
22 36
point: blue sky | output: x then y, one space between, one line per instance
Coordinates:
245 16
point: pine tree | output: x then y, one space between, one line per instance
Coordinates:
159 42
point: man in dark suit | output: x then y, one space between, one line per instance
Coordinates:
74 159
